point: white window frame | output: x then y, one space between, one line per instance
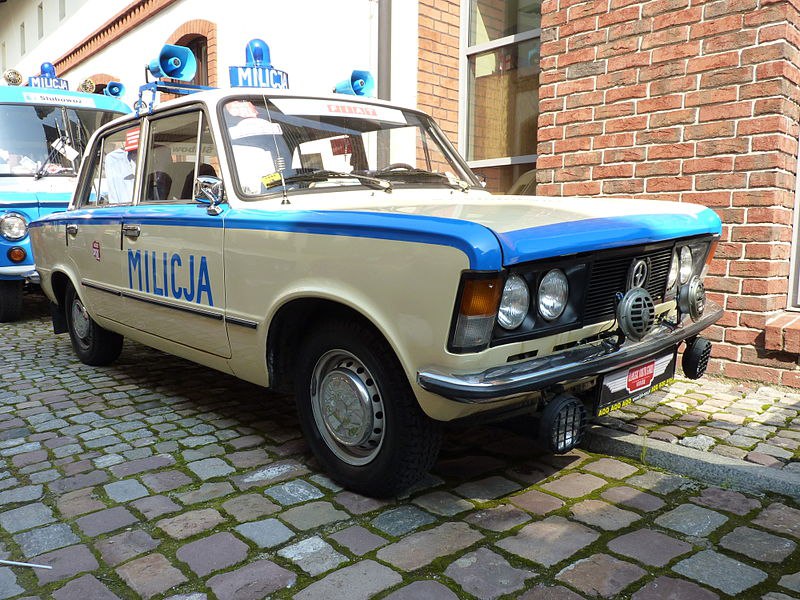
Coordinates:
465 53
793 299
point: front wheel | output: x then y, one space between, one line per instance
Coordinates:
358 412
10 300
92 344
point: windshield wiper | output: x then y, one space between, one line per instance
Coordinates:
325 175
421 175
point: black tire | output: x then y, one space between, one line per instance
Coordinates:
92 344
401 443
10 300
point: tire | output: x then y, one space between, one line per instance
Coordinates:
92 344
10 300
375 440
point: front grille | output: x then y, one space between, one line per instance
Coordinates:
609 276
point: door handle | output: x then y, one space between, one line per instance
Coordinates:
131 231
72 229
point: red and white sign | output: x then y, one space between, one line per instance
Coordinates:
641 377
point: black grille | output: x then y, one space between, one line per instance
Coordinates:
610 275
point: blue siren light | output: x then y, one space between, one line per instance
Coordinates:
361 83
258 71
47 69
176 62
47 78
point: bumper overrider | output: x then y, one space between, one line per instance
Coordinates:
503 382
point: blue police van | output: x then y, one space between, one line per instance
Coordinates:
44 128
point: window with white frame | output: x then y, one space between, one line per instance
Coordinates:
500 91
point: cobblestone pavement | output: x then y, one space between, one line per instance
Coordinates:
156 478
758 424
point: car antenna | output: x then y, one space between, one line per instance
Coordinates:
280 161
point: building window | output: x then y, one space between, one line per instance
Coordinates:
22 38
62 9
40 20
199 47
500 92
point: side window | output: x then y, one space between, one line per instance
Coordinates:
175 158
113 170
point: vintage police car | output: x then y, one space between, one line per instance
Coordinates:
43 130
338 248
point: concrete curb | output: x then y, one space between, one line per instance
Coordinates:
705 466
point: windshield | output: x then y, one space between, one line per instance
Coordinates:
301 145
28 132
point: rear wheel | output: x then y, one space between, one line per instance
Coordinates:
10 300
358 412
92 344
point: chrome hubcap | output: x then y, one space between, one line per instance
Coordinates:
347 407
80 320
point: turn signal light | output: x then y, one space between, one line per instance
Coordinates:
17 254
476 312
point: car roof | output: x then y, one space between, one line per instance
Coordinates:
36 95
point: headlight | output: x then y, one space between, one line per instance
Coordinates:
13 226
553 294
514 303
686 264
673 271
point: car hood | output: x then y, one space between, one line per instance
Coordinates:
35 198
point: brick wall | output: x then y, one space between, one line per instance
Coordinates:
695 101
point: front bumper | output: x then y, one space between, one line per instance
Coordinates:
16 271
503 382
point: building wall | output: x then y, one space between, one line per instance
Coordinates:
691 101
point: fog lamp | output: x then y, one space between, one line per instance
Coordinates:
563 423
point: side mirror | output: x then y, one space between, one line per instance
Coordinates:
209 190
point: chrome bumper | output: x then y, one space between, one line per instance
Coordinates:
19 271
500 383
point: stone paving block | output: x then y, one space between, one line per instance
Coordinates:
26 493
500 518
26 517
601 575
44 539
671 588
650 547
119 548
427 589
758 545
442 503
791 582
209 468
485 574
313 555
720 572
125 490
266 533
658 483
357 504
312 515
249 507
150 575
212 553
547 592
726 500
79 502
153 507
611 467
293 492
76 482
247 459
693 520
632 498
422 548
272 473
206 492
399 521
191 523
203 452
355 582
133 467
358 540
549 541
66 563
486 489
603 515
165 481
8 584
574 485
537 502
84 588
781 519
105 520
254 581
190 596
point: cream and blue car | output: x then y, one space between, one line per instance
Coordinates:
339 249
44 128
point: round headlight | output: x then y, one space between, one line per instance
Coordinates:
514 304
673 271
13 226
686 264
553 294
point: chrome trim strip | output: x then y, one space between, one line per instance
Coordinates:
499 383
187 309
243 322
100 288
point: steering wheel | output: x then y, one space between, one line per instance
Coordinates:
396 167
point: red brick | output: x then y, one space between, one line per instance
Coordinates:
744 336
727 77
658 7
701 165
751 373
772 251
720 112
768 124
711 96
612 171
716 27
623 186
720 129
674 117
623 155
756 303
589 188
660 103
659 136
625 124
668 184
670 151
580 158
631 13
610 111
722 146
757 233
729 41
664 37
664 167
676 52
765 286
718 181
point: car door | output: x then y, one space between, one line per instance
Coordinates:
93 232
172 246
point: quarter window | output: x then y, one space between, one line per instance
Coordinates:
113 170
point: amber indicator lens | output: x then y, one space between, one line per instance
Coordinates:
481 297
17 254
